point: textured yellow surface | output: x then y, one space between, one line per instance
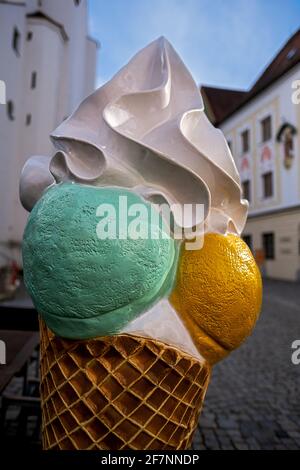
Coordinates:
218 294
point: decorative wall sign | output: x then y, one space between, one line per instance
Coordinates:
285 136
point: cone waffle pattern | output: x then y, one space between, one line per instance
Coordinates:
118 392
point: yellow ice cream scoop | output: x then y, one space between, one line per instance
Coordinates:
218 294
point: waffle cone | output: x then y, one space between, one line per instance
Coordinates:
118 392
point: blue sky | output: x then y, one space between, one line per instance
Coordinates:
223 42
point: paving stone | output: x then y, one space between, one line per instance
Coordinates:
289 425
207 422
249 428
253 444
295 434
226 443
197 440
234 433
241 446
201 447
281 434
291 445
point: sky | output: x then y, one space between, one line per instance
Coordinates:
225 43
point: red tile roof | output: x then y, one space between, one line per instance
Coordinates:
222 103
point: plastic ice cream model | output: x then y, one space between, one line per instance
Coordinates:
133 316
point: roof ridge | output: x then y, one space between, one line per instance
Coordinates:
278 66
274 57
220 88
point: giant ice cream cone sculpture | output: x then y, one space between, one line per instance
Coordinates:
134 316
119 392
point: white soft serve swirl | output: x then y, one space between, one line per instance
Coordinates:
146 129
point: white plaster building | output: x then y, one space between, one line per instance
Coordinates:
48 64
262 127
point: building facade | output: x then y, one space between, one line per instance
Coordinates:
48 65
262 127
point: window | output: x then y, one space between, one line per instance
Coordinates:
269 245
266 129
16 41
28 119
291 53
29 35
10 110
246 190
77 2
248 239
33 80
267 184
245 141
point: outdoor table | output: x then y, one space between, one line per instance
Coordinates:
20 345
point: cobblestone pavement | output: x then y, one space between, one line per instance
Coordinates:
253 399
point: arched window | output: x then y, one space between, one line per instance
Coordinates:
10 110
77 2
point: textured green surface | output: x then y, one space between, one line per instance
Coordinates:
84 286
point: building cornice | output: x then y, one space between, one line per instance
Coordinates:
39 15
15 4
95 41
274 211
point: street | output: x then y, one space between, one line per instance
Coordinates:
253 398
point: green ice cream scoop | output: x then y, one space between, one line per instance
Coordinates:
84 270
